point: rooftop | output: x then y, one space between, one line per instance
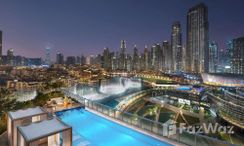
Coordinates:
42 129
26 113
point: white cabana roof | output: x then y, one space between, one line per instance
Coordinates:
26 113
42 129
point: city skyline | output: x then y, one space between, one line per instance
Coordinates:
66 41
131 72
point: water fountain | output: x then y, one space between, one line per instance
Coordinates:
112 88
25 95
115 86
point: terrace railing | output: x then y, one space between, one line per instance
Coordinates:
160 129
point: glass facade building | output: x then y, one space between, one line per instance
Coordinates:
197 39
176 45
237 61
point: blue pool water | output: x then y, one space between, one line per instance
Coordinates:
91 129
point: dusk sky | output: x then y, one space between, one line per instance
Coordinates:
77 27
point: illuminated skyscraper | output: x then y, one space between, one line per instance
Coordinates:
146 58
106 59
135 64
114 60
122 60
229 52
183 58
48 56
176 45
237 61
10 57
213 57
156 56
197 39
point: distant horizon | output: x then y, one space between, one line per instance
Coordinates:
86 27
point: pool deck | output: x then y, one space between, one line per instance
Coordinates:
175 143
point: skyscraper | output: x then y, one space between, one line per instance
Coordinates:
237 61
146 58
229 52
183 58
156 56
213 57
197 39
114 60
1 47
167 51
106 59
60 58
176 45
48 56
135 64
224 57
10 57
122 62
129 62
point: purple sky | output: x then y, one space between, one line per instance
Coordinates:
77 27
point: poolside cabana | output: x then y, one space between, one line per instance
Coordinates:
52 132
23 117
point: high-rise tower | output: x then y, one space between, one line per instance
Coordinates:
10 57
106 59
146 58
176 45
237 61
122 63
59 58
135 65
167 52
48 56
197 39
213 57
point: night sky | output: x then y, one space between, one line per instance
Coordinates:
77 27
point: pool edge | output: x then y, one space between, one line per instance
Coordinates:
166 140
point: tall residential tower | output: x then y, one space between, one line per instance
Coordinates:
237 61
197 39
176 46
213 57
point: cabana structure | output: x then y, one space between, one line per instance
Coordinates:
23 117
52 132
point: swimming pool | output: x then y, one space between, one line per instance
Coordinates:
93 130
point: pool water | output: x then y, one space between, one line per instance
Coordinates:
92 130
111 103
